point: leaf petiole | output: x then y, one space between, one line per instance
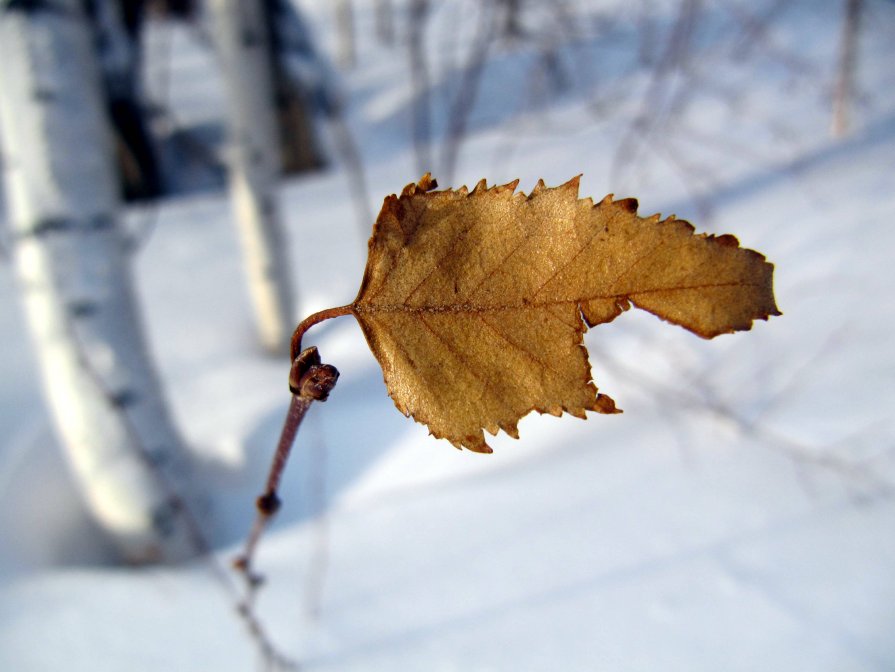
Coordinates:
310 321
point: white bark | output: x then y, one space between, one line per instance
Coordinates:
241 34
76 283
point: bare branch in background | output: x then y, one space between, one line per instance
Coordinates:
755 35
675 53
385 21
646 37
347 51
464 101
845 79
511 25
346 145
701 398
421 115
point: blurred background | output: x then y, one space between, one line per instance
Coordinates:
185 180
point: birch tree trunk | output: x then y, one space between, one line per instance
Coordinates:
75 279
241 34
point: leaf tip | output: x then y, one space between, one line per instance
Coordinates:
627 204
727 240
674 221
477 444
427 183
510 428
473 442
508 187
605 404
572 185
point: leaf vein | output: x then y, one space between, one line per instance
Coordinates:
373 308
561 267
468 366
537 360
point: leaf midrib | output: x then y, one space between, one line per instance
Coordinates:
360 307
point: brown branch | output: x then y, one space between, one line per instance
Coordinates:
309 381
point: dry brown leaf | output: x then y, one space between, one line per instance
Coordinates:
474 303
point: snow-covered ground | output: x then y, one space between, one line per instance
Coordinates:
738 516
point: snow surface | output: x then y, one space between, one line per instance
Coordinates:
738 516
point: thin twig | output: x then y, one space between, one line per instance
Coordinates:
269 502
309 381
385 23
756 37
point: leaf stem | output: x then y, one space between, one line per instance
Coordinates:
311 320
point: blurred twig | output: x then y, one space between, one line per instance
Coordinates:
345 28
385 21
421 122
346 145
677 48
755 36
464 101
821 456
845 78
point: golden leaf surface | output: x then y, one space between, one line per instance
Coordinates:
475 303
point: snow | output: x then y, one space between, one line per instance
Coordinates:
738 516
